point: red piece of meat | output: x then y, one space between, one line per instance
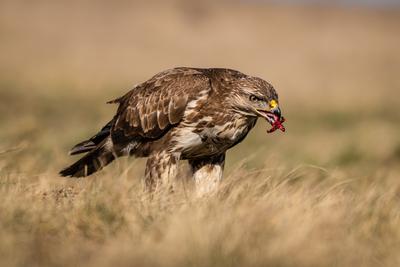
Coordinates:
278 125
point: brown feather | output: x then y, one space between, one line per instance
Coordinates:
176 108
151 107
181 113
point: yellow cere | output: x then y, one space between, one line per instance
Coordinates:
273 104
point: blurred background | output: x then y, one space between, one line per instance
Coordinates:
335 65
325 193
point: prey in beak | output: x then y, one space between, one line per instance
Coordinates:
274 116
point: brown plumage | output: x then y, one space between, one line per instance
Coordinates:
182 113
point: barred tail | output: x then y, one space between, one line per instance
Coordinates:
92 162
93 142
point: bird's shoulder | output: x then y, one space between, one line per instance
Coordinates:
150 108
169 82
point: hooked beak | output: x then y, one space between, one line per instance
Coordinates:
271 115
277 111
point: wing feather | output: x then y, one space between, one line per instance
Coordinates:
162 116
176 108
152 107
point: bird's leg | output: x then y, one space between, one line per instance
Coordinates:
207 173
161 170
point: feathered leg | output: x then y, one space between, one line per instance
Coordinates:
207 173
161 170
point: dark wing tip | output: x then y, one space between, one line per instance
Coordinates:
79 150
82 147
65 172
71 172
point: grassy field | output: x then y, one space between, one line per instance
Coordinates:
325 193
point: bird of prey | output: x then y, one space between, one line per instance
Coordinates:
181 114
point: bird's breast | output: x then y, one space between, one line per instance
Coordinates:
198 140
228 133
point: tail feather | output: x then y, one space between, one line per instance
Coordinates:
82 147
93 142
94 161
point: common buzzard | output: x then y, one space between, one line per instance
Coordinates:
181 114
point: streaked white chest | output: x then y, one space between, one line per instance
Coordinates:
211 139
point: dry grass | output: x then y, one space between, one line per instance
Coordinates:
326 193
301 217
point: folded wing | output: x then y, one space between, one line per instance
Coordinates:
152 108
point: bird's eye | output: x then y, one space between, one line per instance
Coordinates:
254 98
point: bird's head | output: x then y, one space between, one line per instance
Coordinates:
255 97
